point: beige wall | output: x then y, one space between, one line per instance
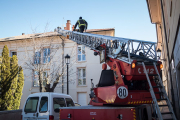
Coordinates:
168 43
106 32
171 21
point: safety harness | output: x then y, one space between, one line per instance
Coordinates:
81 22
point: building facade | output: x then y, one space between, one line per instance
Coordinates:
47 51
165 14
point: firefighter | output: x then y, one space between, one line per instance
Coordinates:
82 24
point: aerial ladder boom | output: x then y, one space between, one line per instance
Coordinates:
134 69
120 48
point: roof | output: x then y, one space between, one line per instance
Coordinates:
29 36
154 8
47 34
99 30
51 93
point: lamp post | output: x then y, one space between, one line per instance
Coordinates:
158 54
67 60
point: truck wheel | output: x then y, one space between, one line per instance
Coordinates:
145 115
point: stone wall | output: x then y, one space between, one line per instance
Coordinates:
11 115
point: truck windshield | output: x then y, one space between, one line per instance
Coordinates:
31 105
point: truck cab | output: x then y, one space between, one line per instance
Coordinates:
45 106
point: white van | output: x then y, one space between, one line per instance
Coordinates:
45 106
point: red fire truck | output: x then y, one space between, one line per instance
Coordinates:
129 89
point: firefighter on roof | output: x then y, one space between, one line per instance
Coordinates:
82 24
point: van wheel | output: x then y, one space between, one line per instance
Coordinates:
145 115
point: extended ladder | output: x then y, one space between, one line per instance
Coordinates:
120 48
164 95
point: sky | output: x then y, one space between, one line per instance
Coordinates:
130 18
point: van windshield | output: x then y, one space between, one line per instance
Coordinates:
31 105
58 102
69 102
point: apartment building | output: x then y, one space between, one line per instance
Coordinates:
48 51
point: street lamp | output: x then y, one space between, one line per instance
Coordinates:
67 60
158 54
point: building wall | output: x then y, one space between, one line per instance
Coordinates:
176 71
171 10
168 42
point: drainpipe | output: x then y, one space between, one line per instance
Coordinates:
167 53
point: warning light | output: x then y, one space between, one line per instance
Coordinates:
133 65
67 36
161 66
131 109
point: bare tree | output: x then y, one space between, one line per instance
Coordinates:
44 57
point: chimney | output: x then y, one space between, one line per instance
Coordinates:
68 25
23 33
72 27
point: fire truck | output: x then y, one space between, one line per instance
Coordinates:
130 89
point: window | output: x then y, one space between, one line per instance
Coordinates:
46 55
36 78
69 102
172 64
13 53
171 8
43 104
81 76
58 102
81 53
37 57
31 105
